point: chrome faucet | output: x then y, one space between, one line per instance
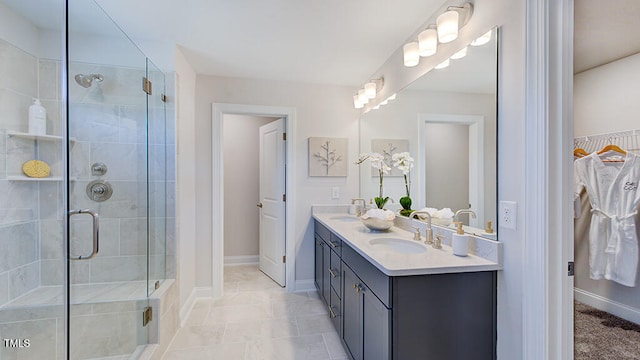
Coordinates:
359 210
464 211
429 232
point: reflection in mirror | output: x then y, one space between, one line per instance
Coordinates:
448 118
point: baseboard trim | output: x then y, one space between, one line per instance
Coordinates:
304 285
608 305
197 293
241 260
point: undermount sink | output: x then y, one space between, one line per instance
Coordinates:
399 245
345 218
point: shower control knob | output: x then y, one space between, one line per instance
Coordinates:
99 190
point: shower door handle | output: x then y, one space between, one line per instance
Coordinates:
96 232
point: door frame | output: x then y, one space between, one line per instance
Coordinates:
476 155
217 187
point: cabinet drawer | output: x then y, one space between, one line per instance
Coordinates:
323 232
335 273
335 243
376 281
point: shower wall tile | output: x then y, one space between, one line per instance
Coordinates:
80 160
80 272
52 154
157 236
14 108
81 241
118 268
4 288
24 279
171 162
19 150
51 244
94 122
133 236
49 81
18 245
19 194
157 162
124 161
18 70
52 272
128 200
133 124
55 117
51 200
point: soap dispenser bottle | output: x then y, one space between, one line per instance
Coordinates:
460 241
37 118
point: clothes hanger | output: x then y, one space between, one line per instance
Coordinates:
612 148
580 152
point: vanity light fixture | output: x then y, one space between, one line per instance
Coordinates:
364 99
356 102
460 54
485 38
445 30
452 20
442 65
370 90
411 54
428 42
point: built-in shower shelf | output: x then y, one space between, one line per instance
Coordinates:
26 178
36 137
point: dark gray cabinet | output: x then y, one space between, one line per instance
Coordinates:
431 317
367 321
328 276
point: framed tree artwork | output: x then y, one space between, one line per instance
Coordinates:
328 156
388 147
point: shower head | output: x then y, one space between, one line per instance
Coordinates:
86 80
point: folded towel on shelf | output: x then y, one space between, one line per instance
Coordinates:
443 216
379 214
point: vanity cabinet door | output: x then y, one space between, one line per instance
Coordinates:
367 321
352 331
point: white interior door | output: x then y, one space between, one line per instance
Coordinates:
272 201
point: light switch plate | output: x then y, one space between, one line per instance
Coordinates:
335 192
508 215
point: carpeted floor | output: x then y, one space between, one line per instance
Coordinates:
602 336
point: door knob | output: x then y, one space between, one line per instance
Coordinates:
259 205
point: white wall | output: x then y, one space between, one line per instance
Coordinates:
186 199
321 110
18 31
242 183
605 100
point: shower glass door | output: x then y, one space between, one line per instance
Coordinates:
108 190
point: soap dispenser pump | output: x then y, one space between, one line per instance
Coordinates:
460 241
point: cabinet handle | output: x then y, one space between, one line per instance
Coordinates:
332 313
333 244
358 288
332 273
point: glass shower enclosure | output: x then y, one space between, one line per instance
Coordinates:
83 236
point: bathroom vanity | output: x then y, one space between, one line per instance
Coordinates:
405 300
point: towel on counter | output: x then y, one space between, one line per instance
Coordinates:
444 213
380 214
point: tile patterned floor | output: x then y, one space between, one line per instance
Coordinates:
257 320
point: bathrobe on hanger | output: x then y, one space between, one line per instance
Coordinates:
613 192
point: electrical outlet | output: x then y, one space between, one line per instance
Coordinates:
508 215
335 193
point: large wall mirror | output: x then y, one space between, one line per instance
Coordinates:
447 120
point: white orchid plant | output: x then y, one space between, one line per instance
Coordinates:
404 162
377 162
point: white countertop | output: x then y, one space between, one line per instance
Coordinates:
392 263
